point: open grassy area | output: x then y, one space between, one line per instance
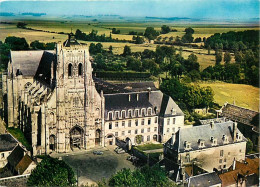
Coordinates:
18 134
147 147
244 95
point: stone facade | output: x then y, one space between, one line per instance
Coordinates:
52 97
212 146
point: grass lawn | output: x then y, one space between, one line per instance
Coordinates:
18 134
244 95
147 147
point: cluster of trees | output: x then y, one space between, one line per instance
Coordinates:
16 44
150 33
234 41
136 33
188 96
165 29
92 36
187 37
145 176
52 172
115 31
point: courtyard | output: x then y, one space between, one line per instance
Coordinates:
92 168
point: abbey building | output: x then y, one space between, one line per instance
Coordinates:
53 98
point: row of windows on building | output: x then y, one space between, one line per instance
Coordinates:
136 131
169 120
70 70
129 123
131 113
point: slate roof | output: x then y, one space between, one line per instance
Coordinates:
121 101
205 179
154 99
26 63
43 73
7 142
203 132
23 164
239 114
138 86
16 156
107 87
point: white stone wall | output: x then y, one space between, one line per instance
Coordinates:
141 129
3 158
219 157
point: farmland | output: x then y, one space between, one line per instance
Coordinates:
105 27
222 90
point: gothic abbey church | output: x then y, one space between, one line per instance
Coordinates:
54 99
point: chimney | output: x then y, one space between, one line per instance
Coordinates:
149 93
234 164
212 124
129 97
173 138
137 97
234 131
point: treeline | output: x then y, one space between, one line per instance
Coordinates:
93 36
17 44
234 41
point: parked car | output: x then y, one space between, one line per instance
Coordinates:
116 149
120 151
97 152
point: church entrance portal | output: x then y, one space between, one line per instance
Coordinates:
76 137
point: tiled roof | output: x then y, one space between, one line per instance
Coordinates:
248 168
203 132
7 142
205 179
23 164
138 86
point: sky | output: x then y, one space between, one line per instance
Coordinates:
218 9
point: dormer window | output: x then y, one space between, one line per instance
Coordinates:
149 111
239 137
117 115
110 115
187 145
214 141
143 112
173 111
225 139
201 143
129 113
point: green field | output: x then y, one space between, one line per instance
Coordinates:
243 95
86 25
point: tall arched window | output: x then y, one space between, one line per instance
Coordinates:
80 69
70 70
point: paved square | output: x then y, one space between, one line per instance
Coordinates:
92 168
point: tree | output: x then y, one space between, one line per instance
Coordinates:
165 29
209 48
218 57
16 43
146 176
4 53
21 25
138 39
150 33
249 146
134 64
114 31
52 172
174 88
127 51
37 45
227 57
189 30
208 96
110 49
187 38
